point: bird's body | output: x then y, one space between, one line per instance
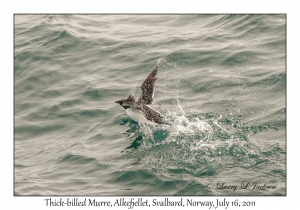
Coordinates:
140 110
137 115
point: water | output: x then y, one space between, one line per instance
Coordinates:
221 88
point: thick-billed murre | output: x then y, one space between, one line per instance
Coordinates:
140 110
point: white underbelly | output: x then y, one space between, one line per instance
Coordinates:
138 116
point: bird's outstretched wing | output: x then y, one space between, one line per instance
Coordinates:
148 86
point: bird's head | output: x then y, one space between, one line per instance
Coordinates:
122 103
126 103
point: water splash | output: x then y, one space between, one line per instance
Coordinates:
177 127
198 144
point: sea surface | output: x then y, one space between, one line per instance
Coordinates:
221 88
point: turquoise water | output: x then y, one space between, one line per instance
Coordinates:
221 88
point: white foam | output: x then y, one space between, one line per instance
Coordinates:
180 125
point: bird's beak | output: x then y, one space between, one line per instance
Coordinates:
118 102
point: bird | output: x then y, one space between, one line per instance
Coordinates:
139 110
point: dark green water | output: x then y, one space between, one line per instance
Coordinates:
227 71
